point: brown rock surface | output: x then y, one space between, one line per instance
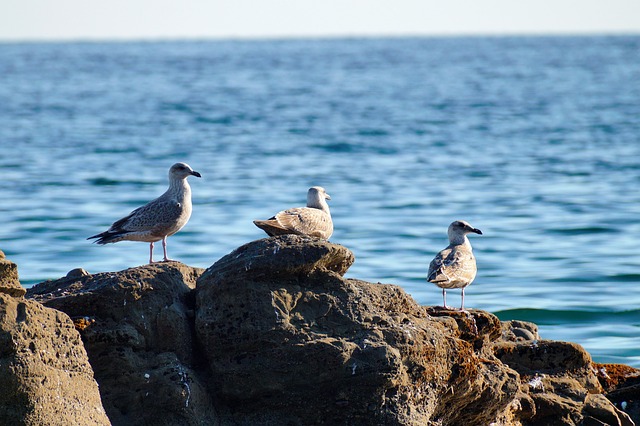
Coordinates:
561 380
284 256
273 334
622 386
45 376
137 328
312 347
9 283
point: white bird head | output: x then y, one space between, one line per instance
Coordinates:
459 229
181 171
316 197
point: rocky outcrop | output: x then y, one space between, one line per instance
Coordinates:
274 334
313 347
137 327
45 376
9 283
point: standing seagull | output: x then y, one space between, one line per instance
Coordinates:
313 220
455 266
159 218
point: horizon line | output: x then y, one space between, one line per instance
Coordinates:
301 37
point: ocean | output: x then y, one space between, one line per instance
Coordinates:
534 140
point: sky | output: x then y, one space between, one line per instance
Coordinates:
178 19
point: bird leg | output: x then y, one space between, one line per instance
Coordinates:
164 248
444 298
151 252
462 303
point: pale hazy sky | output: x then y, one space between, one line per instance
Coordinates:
135 19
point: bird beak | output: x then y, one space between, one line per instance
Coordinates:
476 230
327 196
196 174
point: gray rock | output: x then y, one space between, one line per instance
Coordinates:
290 341
9 283
137 328
283 256
598 408
273 334
45 375
519 331
77 273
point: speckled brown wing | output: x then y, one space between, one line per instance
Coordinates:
272 227
453 267
306 221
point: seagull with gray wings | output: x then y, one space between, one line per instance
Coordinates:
157 219
454 266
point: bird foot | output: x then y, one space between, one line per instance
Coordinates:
453 308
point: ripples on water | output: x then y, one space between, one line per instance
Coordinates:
533 140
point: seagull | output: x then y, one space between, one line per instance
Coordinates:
313 220
157 219
455 266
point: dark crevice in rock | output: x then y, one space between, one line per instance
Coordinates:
21 314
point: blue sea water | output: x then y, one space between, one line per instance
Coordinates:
534 140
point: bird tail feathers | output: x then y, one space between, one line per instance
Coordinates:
106 237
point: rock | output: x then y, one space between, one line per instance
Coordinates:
547 357
617 377
622 386
290 341
9 283
273 334
283 256
77 273
519 331
597 408
137 327
478 327
45 376
561 381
